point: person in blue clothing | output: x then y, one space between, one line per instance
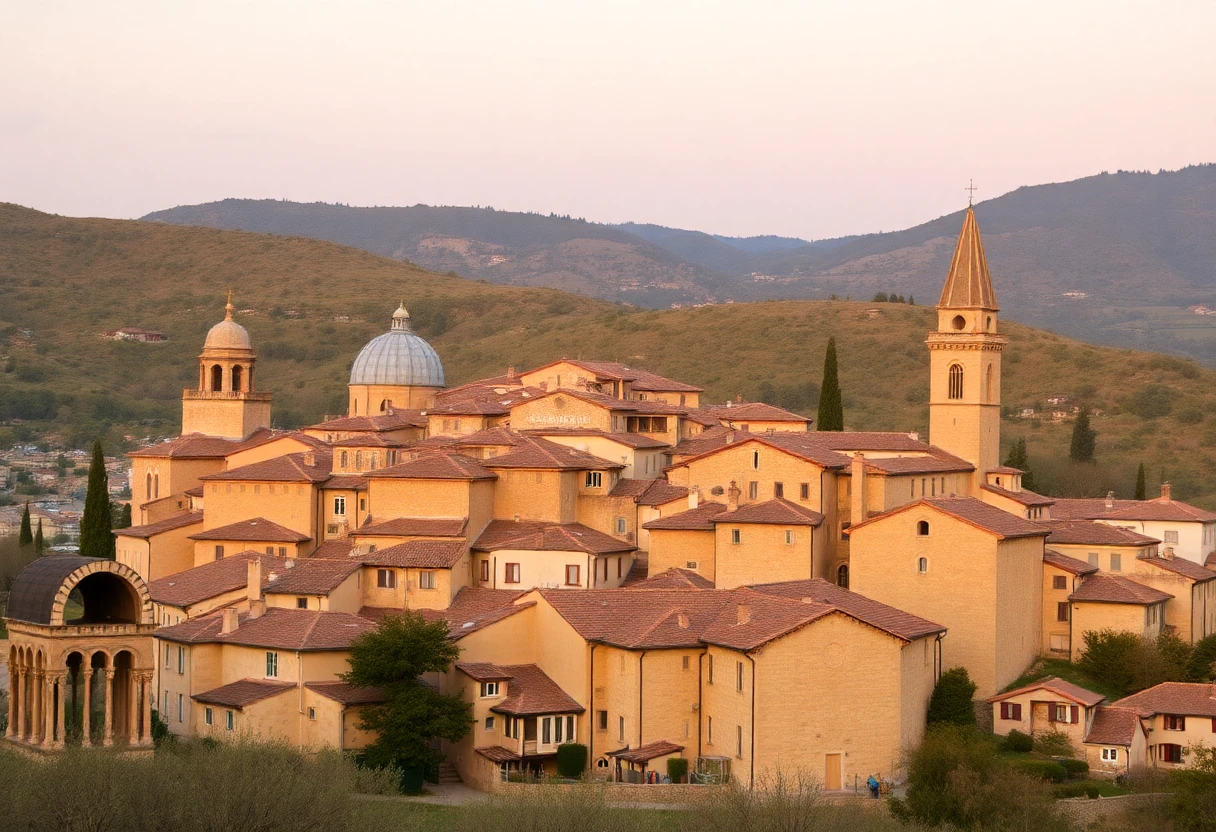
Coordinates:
874 786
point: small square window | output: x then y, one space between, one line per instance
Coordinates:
1116 562
489 723
594 479
229 720
426 580
804 491
386 578
572 575
510 573
489 690
301 603
207 716
601 720
735 536
312 713
1059 582
485 570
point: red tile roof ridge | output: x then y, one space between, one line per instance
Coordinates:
1063 687
1104 588
254 529
1069 564
1181 566
969 510
176 521
1196 699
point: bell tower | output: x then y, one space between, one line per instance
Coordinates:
225 404
965 360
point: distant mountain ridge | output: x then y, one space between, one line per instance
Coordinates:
1091 258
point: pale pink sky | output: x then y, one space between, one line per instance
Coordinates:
805 118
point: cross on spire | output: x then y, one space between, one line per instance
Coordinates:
970 189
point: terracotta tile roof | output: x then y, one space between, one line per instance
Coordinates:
1057 686
377 613
311 576
777 511
530 692
535 452
1156 509
177 521
1113 726
346 482
1089 533
396 420
419 554
638 570
531 535
661 492
483 671
245 692
1113 589
482 401
257 529
972 511
368 440
210 580
497 754
802 445
199 446
1181 698
639 618
646 753
768 618
277 628
707 440
1073 565
495 437
700 518
414 527
674 578
889 619
1005 469
331 549
476 607
197 491
347 694
754 412
1026 498
437 466
632 440
306 466
846 441
643 380
1181 566
627 487
936 461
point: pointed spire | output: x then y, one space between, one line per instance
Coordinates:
228 308
968 284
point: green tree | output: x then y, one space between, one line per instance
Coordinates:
26 536
1084 438
1193 805
123 516
1019 458
951 700
1141 491
831 410
96 535
880 297
393 658
1202 666
39 542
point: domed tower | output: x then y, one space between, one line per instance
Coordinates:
395 370
225 404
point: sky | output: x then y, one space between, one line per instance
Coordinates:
811 119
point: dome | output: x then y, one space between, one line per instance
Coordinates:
398 357
110 592
228 334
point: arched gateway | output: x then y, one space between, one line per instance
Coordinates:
80 655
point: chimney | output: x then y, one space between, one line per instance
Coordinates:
310 459
253 583
229 621
1110 499
511 373
694 496
732 496
682 620
738 398
1165 492
743 613
729 403
857 500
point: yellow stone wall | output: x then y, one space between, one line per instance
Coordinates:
1192 610
365 399
537 495
969 427
675 549
1089 616
175 476
562 411
293 505
163 554
603 513
226 418
762 555
204 550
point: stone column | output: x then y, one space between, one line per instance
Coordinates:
133 685
48 710
85 716
147 737
108 736
16 683
62 710
36 706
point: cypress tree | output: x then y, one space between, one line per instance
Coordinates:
26 536
1140 487
124 517
831 411
96 537
1084 439
1019 458
39 543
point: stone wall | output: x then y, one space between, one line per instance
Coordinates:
1084 812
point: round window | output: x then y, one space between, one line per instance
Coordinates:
959 322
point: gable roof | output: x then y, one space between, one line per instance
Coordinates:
476 607
1181 566
1113 589
804 446
201 446
530 692
176 521
972 511
1182 698
754 412
1073 565
257 529
210 580
244 692
536 452
1058 686
1026 498
1091 533
311 576
674 578
414 527
277 628
777 511
700 518
533 535
646 753
437 466
396 420
419 554
895 621
347 694
1157 509
305 466
1113 726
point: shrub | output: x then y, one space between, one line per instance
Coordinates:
780 801
1128 663
1202 666
379 781
1054 744
677 769
1042 769
1075 768
951 700
1017 742
571 759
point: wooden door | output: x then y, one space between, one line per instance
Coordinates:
832 775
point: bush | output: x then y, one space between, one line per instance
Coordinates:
1054 744
379 781
781 802
571 759
1042 769
1075 768
677 769
1129 663
1017 742
951 700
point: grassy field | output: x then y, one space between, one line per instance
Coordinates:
311 305
1067 671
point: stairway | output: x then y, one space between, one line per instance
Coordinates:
448 775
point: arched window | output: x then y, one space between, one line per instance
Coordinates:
385 405
922 528
217 378
155 486
148 489
343 466
237 372
922 565
956 381
989 389
959 322
358 460
842 575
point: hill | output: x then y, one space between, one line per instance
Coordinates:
310 305
1113 259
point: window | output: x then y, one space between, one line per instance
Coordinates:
1093 558
735 536
312 713
343 463
753 490
842 576
1174 722
489 723
270 550
709 730
1170 753
621 730
739 676
804 491
167 661
1059 582
572 575
219 552
922 565
489 689
789 537
1061 611
601 720
711 668
228 720
181 659
1116 562
922 528
386 578
620 525
956 381
684 663
272 665
1067 714
739 741
755 460
778 489
594 479
1011 710
485 570
207 715
301 603
426 580
1110 755
180 708
620 567
1171 537
340 506
510 573
282 551
165 710
331 528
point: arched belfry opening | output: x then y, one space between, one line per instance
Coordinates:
238 378
217 378
225 404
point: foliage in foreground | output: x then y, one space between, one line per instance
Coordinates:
951 700
1127 662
